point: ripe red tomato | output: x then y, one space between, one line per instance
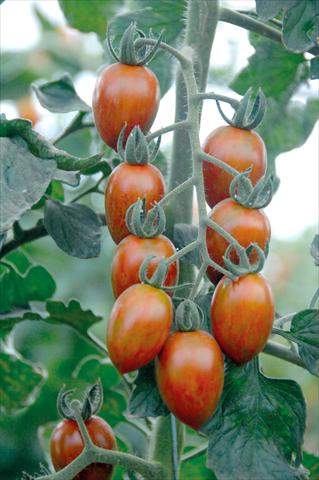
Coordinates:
124 93
238 148
190 376
131 253
246 225
139 324
126 185
67 444
242 315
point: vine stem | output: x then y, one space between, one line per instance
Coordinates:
216 96
170 128
75 125
285 353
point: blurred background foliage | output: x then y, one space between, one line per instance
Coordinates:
59 349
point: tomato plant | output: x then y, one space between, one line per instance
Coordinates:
190 376
238 148
179 351
138 326
67 444
246 225
129 256
242 315
124 94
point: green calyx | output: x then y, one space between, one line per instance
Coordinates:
242 190
145 224
249 114
158 277
91 404
188 316
129 52
136 150
243 266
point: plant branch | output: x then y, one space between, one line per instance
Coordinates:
245 21
170 128
176 191
219 163
30 235
222 98
279 351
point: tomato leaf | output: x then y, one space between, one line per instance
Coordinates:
145 400
195 468
183 235
166 15
71 314
89 16
300 25
59 96
93 368
76 229
260 423
20 381
304 331
18 289
23 179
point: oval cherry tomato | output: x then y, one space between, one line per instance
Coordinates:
238 148
124 93
246 225
131 253
190 376
126 185
139 324
242 314
67 444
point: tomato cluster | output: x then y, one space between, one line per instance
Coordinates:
242 311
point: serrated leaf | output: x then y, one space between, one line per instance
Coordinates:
163 14
260 423
23 179
195 468
145 399
71 314
183 235
89 16
76 229
304 331
314 249
59 96
20 382
17 290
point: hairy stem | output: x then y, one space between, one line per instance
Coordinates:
279 351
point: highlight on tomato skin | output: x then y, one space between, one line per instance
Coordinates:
190 376
126 184
242 315
67 444
237 147
129 256
124 94
138 326
246 225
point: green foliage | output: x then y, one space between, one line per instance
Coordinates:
300 21
89 16
59 96
304 331
156 16
195 468
24 179
311 463
293 121
145 400
21 282
76 229
260 423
